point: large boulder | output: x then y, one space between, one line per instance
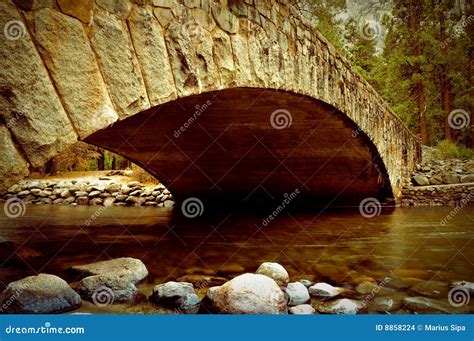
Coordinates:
106 289
132 269
248 294
41 294
275 271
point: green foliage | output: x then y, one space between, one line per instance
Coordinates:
446 150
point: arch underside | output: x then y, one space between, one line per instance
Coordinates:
222 146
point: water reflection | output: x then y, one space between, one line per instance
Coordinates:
338 246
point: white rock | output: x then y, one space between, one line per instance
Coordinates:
302 309
296 294
248 294
274 271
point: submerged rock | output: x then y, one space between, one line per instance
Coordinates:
275 271
132 269
302 309
248 294
202 281
434 289
369 288
385 304
42 294
424 305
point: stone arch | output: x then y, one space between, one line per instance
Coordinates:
74 70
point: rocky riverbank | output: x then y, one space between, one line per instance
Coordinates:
267 291
104 192
440 182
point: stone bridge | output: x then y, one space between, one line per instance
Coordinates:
216 99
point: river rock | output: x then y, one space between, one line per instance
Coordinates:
106 289
302 309
467 178
369 288
434 289
324 290
113 188
340 306
188 304
449 178
131 268
41 294
108 201
275 271
421 180
94 194
171 291
465 285
202 281
385 304
306 282
82 200
248 294
424 305
296 294
11 252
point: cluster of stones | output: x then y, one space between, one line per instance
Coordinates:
86 193
74 67
447 172
267 291
438 182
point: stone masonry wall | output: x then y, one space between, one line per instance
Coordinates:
69 68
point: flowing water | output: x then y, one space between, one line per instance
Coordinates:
400 247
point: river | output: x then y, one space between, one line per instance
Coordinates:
337 246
